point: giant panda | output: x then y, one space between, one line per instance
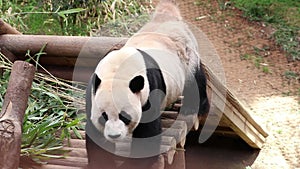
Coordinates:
130 86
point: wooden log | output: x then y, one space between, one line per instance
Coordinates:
5 28
51 166
81 74
60 46
11 116
75 143
70 161
76 152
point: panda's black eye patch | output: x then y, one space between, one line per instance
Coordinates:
103 118
136 84
126 118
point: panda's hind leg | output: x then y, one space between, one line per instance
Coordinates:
195 95
202 82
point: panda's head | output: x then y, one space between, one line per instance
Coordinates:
118 92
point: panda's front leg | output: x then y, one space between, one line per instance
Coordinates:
145 146
146 141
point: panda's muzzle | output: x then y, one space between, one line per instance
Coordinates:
115 130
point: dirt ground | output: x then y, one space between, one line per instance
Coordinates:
270 95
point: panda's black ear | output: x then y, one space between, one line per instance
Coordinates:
136 84
96 82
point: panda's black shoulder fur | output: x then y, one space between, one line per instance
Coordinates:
152 107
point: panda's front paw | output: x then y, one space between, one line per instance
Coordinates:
190 116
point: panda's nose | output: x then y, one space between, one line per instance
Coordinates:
114 136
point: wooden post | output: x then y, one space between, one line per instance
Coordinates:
11 116
5 28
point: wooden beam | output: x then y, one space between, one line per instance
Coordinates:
13 110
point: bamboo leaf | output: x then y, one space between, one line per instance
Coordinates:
69 11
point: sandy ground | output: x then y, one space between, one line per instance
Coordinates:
271 96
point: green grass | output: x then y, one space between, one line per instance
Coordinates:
284 15
257 58
69 17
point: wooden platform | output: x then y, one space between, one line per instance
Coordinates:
232 117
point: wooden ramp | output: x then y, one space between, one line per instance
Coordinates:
235 118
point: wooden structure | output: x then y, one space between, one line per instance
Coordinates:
77 158
80 55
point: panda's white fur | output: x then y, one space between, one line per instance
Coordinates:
170 43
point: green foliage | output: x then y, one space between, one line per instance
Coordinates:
291 75
286 37
50 116
284 15
68 17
